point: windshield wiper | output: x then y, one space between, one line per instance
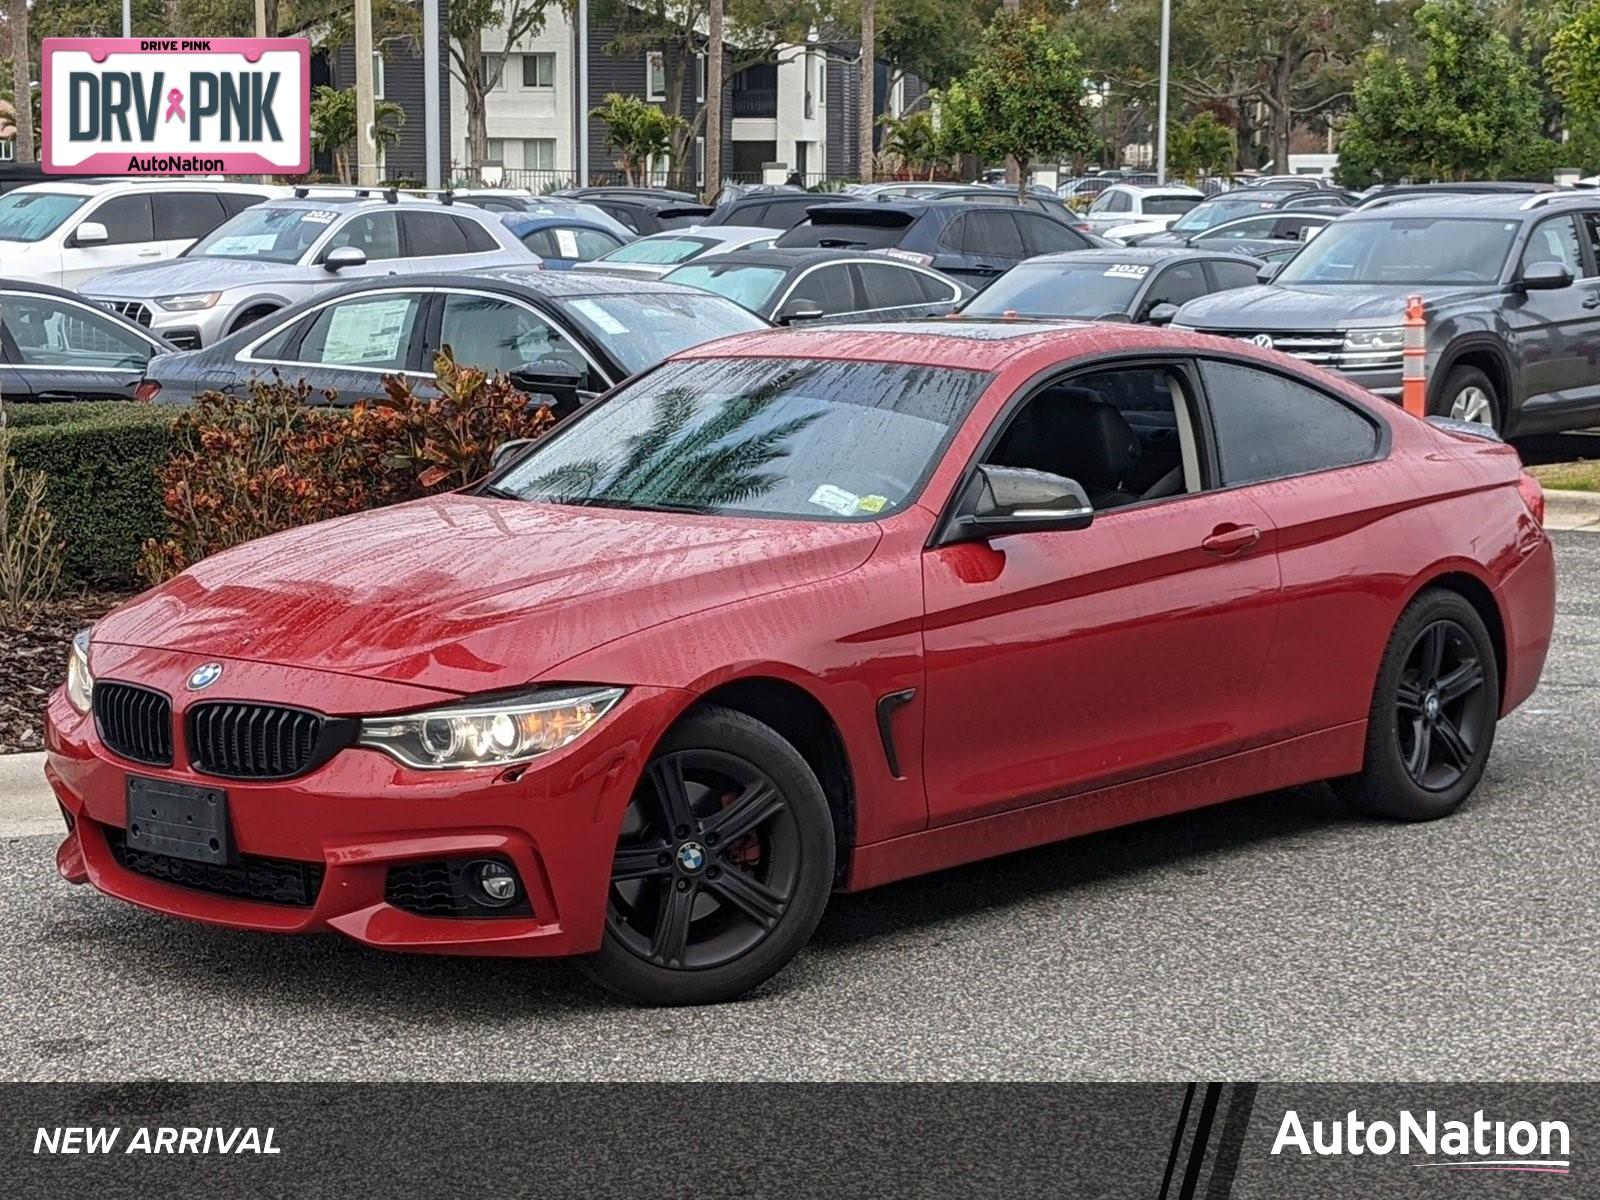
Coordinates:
639 506
499 493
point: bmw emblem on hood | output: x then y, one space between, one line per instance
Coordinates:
205 676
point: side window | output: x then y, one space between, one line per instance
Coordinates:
1119 202
592 243
1125 435
497 335
785 214
49 333
1229 275
375 233
1591 229
234 203
479 239
994 234
431 234
955 234
1258 227
1102 202
1178 284
622 214
751 216
1555 240
890 287
364 331
1269 426
1041 235
542 242
187 215
829 288
276 347
934 289
127 220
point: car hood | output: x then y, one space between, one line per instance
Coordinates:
468 594
1310 306
188 275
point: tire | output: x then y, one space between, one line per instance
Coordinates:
1469 395
1436 704
728 838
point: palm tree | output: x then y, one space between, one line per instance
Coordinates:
22 87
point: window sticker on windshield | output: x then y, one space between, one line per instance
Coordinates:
1126 271
320 216
604 320
235 245
366 333
836 499
872 504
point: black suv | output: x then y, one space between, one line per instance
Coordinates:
1511 286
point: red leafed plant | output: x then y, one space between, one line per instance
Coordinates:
274 458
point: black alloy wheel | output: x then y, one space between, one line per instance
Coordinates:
1433 714
723 865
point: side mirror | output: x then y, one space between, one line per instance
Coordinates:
90 233
1002 500
1546 277
799 311
506 451
1162 314
554 379
1267 272
344 256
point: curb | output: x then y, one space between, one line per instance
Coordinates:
1572 510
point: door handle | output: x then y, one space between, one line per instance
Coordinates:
1592 300
149 254
1231 539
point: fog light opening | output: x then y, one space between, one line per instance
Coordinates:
495 883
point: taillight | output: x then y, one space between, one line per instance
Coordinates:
1532 493
147 391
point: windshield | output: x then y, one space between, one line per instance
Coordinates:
661 250
1400 250
758 436
1079 290
29 216
268 233
1224 208
750 286
640 330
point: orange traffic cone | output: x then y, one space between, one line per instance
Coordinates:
1414 359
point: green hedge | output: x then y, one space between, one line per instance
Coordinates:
100 461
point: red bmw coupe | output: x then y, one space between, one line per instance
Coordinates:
803 612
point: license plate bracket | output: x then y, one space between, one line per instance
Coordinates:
179 820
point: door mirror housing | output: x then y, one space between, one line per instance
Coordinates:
506 451
1002 500
90 233
799 311
1546 277
342 257
553 380
1267 272
1162 314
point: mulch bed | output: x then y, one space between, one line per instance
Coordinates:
33 662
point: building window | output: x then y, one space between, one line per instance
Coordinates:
539 154
377 75
496 153
822 84
700 162
700 78
538 70
8 151
655 76
494 71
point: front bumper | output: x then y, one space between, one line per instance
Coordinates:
362 813
186 330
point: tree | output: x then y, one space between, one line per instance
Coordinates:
1461 105
636 131
1202 145
1573 68
334 125
869 86
914 141
479 74
716 51
931 39
21 75
1023 97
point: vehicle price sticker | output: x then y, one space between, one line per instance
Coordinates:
320 216
242 245
361 334
606 322
1126 271
567 243
836 499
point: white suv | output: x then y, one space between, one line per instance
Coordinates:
64 232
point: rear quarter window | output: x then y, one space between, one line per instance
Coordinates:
1269 426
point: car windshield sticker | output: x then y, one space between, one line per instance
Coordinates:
1127 271
602 319
836 499
320 216
567 243
872 503
242 245
366 333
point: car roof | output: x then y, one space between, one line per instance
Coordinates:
96 186
528 222
981 344
1511 205
1142 255
715 233
554 284
1157 189
791 258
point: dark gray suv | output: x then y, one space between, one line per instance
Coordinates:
1512 289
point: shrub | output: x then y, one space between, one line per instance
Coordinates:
30 552
99 461
251 465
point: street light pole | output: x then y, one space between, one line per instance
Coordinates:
583 93
127 18
1161 105
433 168
366 114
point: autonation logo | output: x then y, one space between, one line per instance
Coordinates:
1480 1144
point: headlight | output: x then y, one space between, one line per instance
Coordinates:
80 684
192 303
1358 340
492 733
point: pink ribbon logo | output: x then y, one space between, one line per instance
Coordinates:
175 105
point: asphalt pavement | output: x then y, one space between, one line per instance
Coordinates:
1277 938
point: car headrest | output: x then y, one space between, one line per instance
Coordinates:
1091 440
